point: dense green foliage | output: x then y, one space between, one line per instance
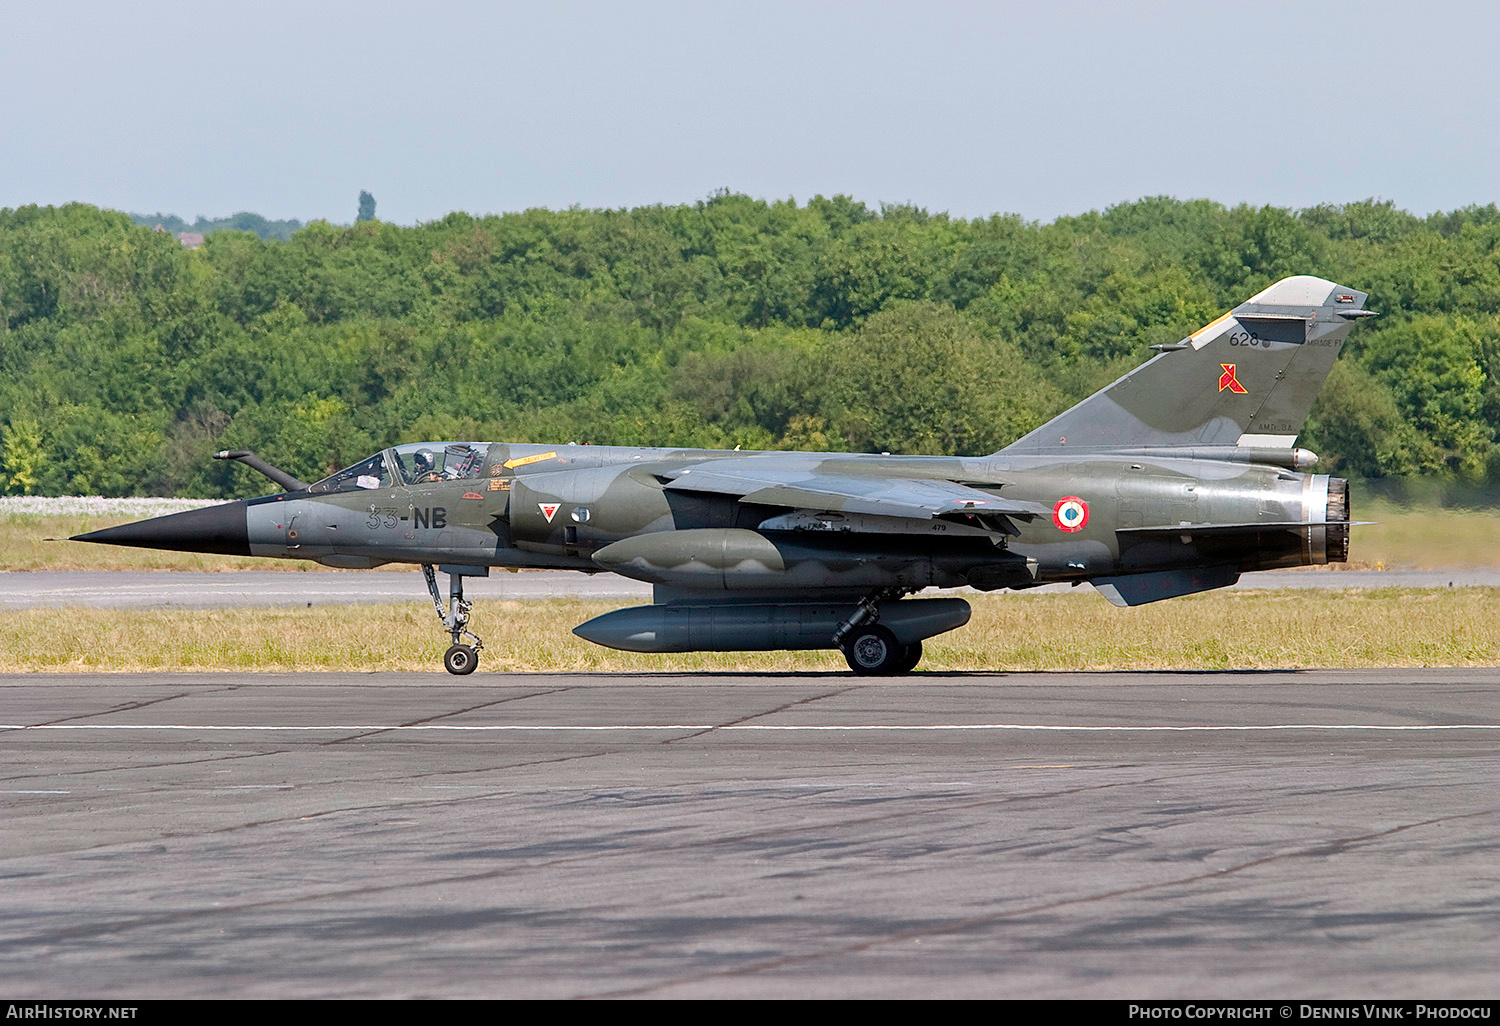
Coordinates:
125 359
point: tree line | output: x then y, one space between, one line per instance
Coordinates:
125 359
244 221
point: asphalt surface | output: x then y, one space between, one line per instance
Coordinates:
143 589
1268 835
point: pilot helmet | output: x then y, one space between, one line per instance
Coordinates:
423 460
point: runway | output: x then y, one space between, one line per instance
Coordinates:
144 589
1132 835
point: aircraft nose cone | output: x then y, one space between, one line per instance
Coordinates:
218 529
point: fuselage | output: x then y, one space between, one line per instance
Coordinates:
528 505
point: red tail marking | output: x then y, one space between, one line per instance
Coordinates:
1227 380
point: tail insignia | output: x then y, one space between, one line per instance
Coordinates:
1228 380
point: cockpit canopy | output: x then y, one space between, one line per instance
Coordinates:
413 463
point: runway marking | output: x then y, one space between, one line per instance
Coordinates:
764 727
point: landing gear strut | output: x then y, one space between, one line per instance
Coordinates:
869 648
460 658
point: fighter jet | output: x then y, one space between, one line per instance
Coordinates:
1175 479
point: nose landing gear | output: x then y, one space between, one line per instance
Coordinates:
460 658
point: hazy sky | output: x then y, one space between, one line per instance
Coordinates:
289 109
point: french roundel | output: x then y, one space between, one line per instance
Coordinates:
1070 514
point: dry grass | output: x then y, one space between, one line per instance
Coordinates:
1423 538
1223 630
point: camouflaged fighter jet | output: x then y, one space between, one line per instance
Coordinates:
1175 479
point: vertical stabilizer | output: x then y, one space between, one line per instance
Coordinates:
1248 378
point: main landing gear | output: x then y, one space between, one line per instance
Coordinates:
460 658
869 648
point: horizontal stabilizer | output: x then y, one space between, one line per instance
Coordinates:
1138 589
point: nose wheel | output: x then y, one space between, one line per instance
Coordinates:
460 659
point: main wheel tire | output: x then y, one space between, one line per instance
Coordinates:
911 655
873 650
460 659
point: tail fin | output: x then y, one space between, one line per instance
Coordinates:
1246 379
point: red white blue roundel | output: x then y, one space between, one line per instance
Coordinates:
1070 514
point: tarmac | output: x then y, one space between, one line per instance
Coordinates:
1268 835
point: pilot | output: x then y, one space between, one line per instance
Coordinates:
426 470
